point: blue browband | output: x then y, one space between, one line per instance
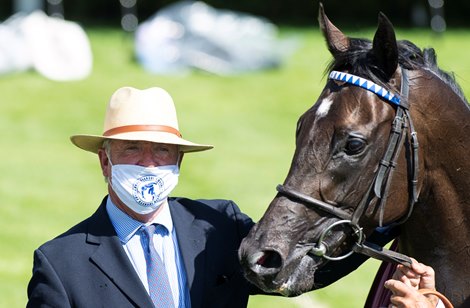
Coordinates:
366 84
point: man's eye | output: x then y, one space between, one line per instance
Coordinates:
131 149
162 149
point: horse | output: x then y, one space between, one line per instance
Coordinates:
383 148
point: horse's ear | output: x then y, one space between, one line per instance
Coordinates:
385 47
337 42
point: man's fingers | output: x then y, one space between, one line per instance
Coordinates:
397 287
404 296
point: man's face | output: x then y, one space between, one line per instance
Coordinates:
141 153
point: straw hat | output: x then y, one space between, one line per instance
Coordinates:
144 115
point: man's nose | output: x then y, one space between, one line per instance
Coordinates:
148 159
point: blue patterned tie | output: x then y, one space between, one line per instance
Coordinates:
159 286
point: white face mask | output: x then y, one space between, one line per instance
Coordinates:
143 189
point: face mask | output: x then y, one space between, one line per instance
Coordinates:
143 189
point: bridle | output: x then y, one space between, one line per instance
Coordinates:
379 188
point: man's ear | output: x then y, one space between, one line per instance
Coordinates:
104 163
180 159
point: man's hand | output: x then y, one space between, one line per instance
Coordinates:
406 282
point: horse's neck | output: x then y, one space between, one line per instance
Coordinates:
442 121
438 232
439 239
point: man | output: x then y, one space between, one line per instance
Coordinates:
142 248
108 260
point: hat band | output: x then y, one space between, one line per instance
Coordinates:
137 128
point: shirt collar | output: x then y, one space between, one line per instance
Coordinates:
127 226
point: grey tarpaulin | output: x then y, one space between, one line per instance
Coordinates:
57 49
187 35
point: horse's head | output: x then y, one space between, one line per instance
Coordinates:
330 200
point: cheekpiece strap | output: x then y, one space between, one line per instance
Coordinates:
366 84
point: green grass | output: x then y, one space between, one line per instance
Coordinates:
47 184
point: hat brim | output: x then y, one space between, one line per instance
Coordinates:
93 143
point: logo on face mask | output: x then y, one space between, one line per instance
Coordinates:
147 190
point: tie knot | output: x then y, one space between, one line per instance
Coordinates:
151 229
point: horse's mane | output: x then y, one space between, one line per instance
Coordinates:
358 60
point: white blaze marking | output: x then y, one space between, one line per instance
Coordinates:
324 108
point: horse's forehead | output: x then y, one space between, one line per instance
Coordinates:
334 116
351 106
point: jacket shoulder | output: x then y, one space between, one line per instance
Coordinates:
219 214
212 208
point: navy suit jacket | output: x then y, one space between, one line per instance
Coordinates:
87 266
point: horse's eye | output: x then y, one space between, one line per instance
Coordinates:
354 146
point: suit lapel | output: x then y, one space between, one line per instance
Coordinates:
192 241
112 260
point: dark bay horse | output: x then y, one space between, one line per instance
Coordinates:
385 145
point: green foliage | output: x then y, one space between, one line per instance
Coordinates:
47 184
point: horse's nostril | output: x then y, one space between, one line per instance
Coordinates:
262 263
270 259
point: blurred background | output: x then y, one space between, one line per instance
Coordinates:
240 72
300 12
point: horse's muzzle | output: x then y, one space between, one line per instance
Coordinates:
261 267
